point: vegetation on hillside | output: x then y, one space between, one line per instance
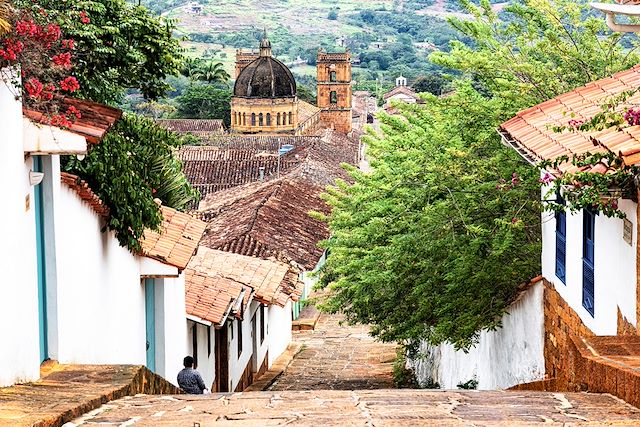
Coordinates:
434 242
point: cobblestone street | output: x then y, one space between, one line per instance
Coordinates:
338 357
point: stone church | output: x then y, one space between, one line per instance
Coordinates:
265 96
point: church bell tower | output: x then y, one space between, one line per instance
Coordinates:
334 89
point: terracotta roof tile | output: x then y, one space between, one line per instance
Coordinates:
306 111
85 193
200 127
403 90
530 131
177 239
96 118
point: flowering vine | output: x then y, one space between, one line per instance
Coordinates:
45 60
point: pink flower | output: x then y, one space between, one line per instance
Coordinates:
547 178
70 84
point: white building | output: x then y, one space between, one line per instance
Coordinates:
400 93
239 315
69 292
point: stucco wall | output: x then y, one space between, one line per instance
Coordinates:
238 363
261 348
171 327
206 361
19 358
615 268
279 330
508 356
101 310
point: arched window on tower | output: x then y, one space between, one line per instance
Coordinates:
261 119
332 76
253 119
333 97
290 115
268 119
244 119
278 119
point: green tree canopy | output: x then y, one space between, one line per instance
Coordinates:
434 242
202 101
119 46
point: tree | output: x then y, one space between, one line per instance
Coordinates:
434 242
119 46
211 72
205 102
432 83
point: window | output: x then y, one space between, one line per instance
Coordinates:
588 235
239 338
268 119
278 119
253 119
333 97
261 119
244 119
290 121
261 324
332 76
561 241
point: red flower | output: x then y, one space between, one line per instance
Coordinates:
73 111
62 60
84 18
68 44
52 33
60 120
27 28
47 93
34 87
70 84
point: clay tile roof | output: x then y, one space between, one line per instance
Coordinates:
85 193
231 160
95 121
401 90
177 240
306 111
530 131
201 127
210 297
273 282
271 218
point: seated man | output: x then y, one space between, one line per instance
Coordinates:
189 379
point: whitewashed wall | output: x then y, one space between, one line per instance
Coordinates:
19 357
260 348
238 363
171 327
279 330
615 268
206 360
100 298
502 358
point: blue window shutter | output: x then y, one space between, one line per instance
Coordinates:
588 261
561 242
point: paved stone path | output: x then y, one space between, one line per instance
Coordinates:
389 407
338 357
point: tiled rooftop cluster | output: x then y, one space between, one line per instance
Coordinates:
530 131
270 218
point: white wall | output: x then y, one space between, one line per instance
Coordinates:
206 360
19 358
260 348
508 356
101 301
171 327
238 363
279 330
615 267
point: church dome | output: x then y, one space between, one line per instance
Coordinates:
265 77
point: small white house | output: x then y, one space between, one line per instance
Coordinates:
239 315
69 292
590 259
400 93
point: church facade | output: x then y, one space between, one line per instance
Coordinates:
265 97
